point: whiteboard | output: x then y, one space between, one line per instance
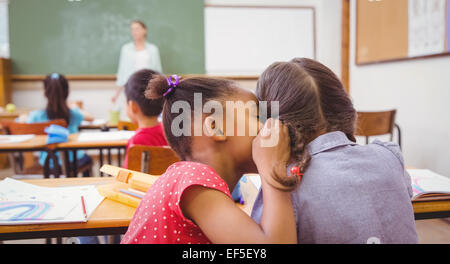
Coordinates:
246 40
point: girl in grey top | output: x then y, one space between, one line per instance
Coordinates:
348 193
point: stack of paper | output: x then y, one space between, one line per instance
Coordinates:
14 138
429 186
24 203
105 136
96 122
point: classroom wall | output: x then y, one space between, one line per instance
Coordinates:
328 25
420 91
96 94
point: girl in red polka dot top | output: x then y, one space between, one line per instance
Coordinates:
191 202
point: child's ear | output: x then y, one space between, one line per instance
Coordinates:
211 129
134 106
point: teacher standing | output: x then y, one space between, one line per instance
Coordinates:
136 55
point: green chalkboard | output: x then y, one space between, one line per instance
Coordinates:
78 37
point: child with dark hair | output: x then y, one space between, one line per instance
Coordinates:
191 202
143 112
56 90
348 193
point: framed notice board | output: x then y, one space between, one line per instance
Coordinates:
390 30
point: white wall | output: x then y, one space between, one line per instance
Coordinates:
420 91
328 25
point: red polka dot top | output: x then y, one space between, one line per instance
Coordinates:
158 218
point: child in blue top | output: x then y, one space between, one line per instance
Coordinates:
56 90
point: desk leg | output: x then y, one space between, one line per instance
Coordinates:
101 160
56 168
21 161
75 164
47 166
119 158
109 156
67 163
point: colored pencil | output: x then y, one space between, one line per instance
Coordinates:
84 208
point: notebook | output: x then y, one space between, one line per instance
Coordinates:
428 185
24 203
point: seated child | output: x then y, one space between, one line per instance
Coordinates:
56 90
143 112
191 202
349 193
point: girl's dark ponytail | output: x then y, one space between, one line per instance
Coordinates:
157 87
312 101
56 89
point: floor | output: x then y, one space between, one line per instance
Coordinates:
434 231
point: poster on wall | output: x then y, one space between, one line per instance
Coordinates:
427 27
448 26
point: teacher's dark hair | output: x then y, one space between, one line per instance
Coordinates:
56 90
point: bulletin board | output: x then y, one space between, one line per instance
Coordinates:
401 29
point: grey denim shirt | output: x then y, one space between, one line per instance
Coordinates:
352 194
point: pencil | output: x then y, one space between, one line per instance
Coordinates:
84 208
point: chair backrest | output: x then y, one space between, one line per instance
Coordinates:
150 159
124 125
375 123
14 128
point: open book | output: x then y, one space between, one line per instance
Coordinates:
24 203
429 186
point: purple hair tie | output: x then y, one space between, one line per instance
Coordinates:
172 84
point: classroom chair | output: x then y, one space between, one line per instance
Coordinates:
125 125
376 124
150 159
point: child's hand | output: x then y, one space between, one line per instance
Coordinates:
271 152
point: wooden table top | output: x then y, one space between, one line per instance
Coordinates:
108 214
431 206
96 126
74 143
37 142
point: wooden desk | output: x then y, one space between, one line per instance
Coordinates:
73 145
432 209
109 218
100 127
38 142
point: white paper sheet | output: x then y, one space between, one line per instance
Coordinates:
15 138
105 136
255 179
96 122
